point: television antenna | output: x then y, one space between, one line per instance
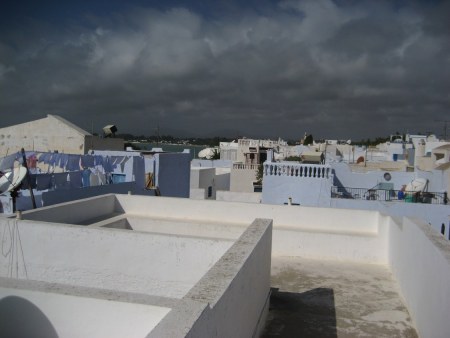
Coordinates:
445 128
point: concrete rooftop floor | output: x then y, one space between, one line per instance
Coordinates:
317 298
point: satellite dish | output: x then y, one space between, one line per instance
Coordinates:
12 179
417 185
109 130
206 153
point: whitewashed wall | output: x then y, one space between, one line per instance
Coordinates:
420 262
241 180
122 260
347 178
310 187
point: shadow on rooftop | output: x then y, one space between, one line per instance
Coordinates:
21 318
307 314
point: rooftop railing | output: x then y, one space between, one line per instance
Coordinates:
297 170
389 195
242 166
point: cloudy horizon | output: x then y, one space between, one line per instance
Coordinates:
335 69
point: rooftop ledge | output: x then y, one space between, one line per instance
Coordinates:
193 236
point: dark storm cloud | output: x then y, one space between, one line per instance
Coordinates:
335 69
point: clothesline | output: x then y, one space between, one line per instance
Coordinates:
67 180
67 162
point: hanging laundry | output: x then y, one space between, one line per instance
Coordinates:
122 164
54 158
7 162
98 160
73 163
44 158
101 178
86 177
107 164
31 161
94 180
63 161
87 161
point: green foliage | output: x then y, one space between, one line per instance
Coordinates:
293 159
216 154
259 173
308 140
369 142
132 145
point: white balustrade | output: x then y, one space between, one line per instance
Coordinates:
245 166
297 170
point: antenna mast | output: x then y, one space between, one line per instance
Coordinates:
445 128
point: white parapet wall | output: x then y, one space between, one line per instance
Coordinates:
198 193
242 177
304 184
354 235
132 261
232 196
235 292
419 258
325 233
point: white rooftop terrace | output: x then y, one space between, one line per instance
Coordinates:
109 266
190 261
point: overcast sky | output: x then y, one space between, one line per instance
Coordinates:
336 69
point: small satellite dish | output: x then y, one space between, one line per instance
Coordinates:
110 130
417 185
12 179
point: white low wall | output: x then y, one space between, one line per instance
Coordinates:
433 214
232 299
197 194
112 259
305 184
420 262
179 227
244 197
241 180
304 231
92 208
60 196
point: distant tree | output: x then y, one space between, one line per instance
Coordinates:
293 158
259 173
132 145
308 140
215 155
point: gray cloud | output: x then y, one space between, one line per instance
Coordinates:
357 69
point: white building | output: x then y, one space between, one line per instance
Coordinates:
50 134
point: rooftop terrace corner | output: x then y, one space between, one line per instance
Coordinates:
83 255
